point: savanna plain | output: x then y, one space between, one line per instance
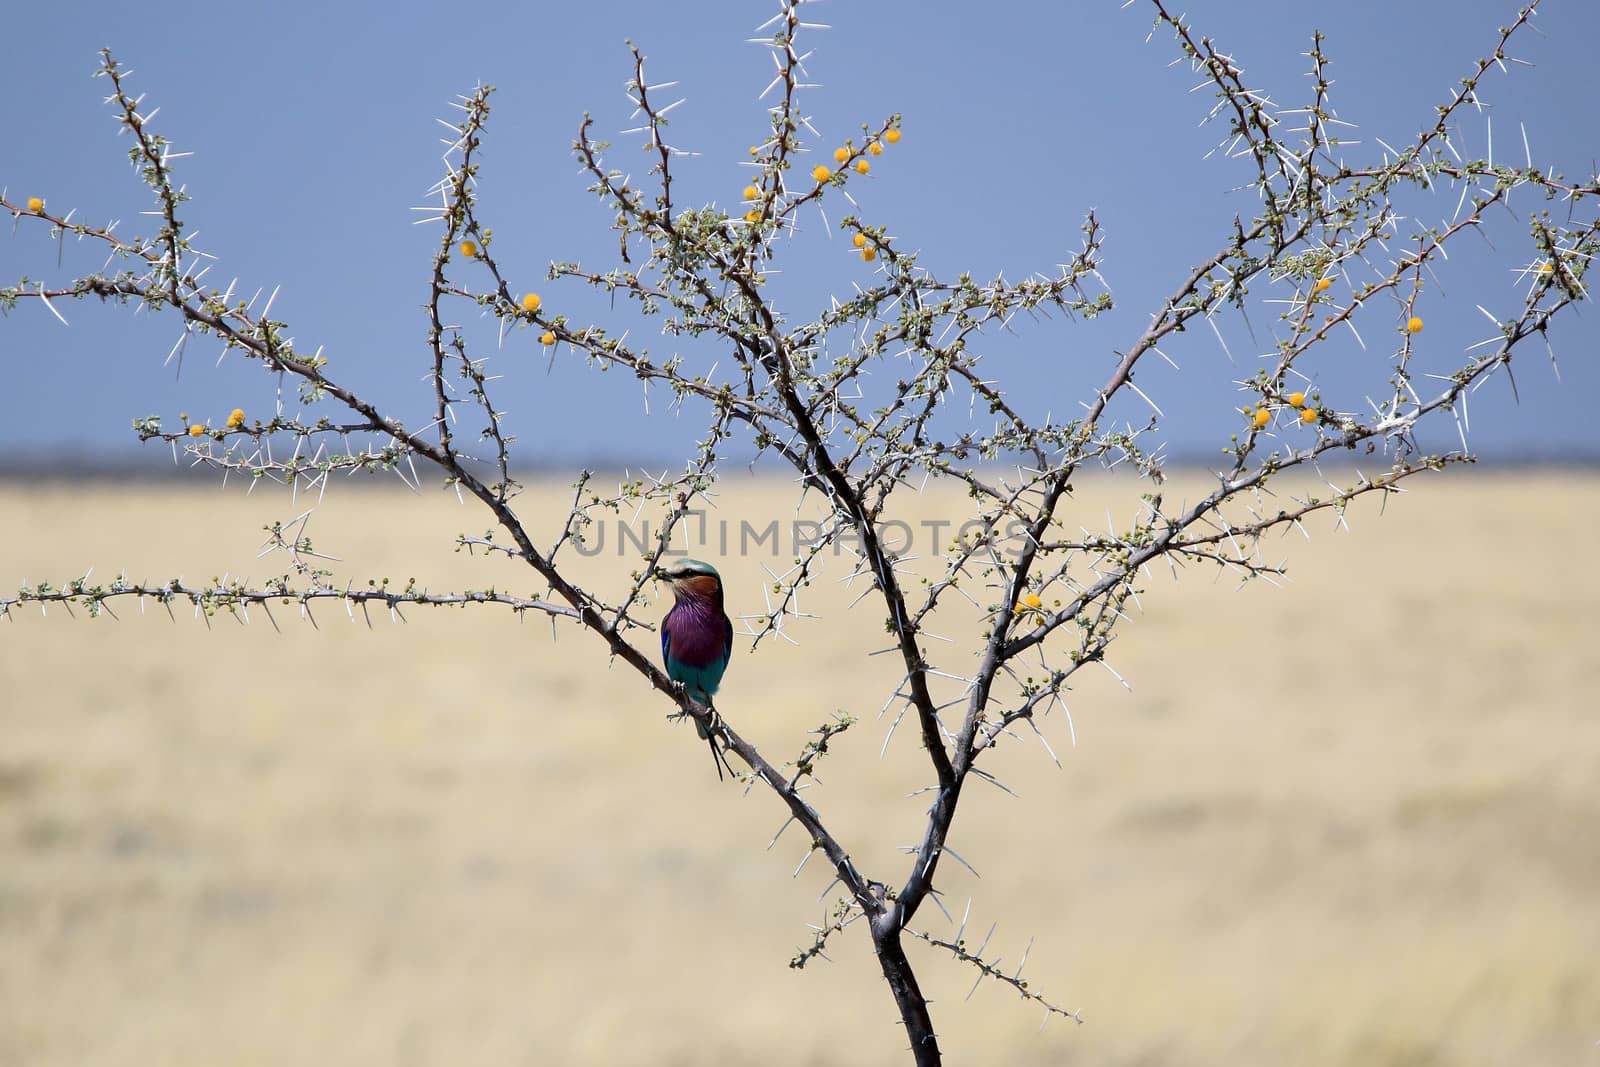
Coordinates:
1350 819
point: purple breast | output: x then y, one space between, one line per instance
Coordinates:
698 637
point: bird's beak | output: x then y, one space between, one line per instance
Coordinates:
661 575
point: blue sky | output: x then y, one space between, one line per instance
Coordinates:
314 135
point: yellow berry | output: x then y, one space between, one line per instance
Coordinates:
236 418
531 302
751 192
1263 416
841 154
820 172
1032 600
875 148
1413 325
859 240
862 166
1296 399
547 338
1324 284
35 204
869 254
1309 415
197 430
893 137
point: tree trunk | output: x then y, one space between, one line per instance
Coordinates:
903 984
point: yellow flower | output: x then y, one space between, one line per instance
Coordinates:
1263 416
197 430
531 302
869 254
35 205
893 137
547 338
875 148
1309 415
236 418
1413 325
841 154
1032 600
1296 399
1324 284
859 240
469 249
755 150
752 217
820 172
862 166
751 192
1544 268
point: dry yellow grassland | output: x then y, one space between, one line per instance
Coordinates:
1354 820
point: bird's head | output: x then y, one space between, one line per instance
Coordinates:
691 577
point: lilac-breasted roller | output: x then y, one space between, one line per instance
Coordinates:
697 637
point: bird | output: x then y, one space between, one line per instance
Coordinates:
697 638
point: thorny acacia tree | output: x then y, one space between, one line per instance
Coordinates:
850 398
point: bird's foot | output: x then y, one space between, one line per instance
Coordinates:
679 690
